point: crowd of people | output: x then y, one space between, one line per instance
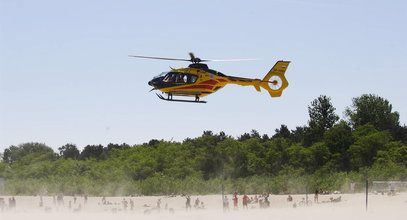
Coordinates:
11 203
262 201
59 202
74 204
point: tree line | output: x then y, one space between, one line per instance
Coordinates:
327 153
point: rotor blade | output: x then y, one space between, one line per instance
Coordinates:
159 58
228 60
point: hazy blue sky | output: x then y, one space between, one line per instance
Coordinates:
65 76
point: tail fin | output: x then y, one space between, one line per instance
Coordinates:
275 82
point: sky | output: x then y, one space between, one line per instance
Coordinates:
65 74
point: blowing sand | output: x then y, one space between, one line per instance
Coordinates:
351 206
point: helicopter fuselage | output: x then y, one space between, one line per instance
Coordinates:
197 80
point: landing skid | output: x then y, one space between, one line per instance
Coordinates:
178 100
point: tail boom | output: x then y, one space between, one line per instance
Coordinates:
274 82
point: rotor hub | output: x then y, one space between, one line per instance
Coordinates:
275 82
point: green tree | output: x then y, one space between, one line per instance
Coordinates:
123 146
299 157
69 151
375 110
396 153
92 151
320 155
244 137
322 117
338 139
298 134
322 113
14 153
400 134
209 156
277 155
256 164
368 141
282 132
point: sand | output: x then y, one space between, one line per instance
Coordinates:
351 206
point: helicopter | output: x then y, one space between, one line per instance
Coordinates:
197 80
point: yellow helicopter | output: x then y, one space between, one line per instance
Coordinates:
197 80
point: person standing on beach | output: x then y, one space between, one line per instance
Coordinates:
131 205
10 203
41 202
196 205
266 200
316 196
235 201
2 204
225 203
60 199
188 203
14 202
245 201
124 203
158 204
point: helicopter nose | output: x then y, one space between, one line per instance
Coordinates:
150 83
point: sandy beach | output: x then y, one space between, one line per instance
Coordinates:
351 206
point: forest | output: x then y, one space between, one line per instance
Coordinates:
327 153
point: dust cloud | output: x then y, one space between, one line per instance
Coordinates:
350 206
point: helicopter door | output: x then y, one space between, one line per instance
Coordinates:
181 78
186 78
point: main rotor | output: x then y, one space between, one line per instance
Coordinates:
193 59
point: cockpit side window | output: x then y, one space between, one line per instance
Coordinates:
169 78
179 78
192 78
